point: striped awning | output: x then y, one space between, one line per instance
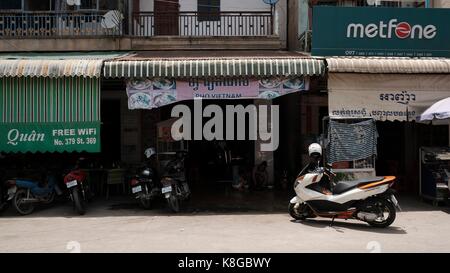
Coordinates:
54 65
388 65
41 100
228 67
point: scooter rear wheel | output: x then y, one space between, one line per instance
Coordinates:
384 208
19 205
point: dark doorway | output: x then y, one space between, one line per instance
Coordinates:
110 131
166 17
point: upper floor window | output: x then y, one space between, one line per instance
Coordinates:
10 4
208 10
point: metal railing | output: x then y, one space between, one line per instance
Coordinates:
374 3
146 24
55 24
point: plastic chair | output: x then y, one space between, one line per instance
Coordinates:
114 177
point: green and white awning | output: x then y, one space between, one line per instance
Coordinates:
229 67
41 114
68 99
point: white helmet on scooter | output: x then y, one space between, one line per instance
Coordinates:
149 152
315 149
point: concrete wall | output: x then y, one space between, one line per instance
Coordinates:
155 43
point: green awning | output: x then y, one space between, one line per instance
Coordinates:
68 99
49 114
230 67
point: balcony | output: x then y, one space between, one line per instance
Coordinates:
55 25
148 24
373 3
79 31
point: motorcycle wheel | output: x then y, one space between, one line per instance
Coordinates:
296 213
19 206
385 209
174 204
78 202
50 199
145 203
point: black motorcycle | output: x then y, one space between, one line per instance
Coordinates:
174 185
144 187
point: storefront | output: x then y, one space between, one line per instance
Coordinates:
394 92
156 82
49 110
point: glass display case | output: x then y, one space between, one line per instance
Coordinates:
434 173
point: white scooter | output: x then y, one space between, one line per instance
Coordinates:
370 200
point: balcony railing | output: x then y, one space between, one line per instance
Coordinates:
373 3
143 24
147 24
55 24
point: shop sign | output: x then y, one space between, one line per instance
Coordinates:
50 137
381 105
369 31
153 93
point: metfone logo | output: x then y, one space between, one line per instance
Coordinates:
384 30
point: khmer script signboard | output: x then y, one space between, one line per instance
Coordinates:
153 93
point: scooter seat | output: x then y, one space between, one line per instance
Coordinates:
343 186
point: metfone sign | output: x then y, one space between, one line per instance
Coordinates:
371 31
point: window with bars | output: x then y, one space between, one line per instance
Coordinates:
208 10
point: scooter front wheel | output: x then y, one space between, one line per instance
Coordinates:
20 205
295 211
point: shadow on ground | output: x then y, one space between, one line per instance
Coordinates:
207 202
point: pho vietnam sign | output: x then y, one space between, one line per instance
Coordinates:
371 31
50 137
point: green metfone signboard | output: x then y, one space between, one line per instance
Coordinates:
372 31
50 137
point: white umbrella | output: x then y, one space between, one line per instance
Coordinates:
439 110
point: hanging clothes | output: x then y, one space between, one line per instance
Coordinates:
348 142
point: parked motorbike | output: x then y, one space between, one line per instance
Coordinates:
370 200
144 187
77 185
24 194
174 185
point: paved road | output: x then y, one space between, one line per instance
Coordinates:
116 226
